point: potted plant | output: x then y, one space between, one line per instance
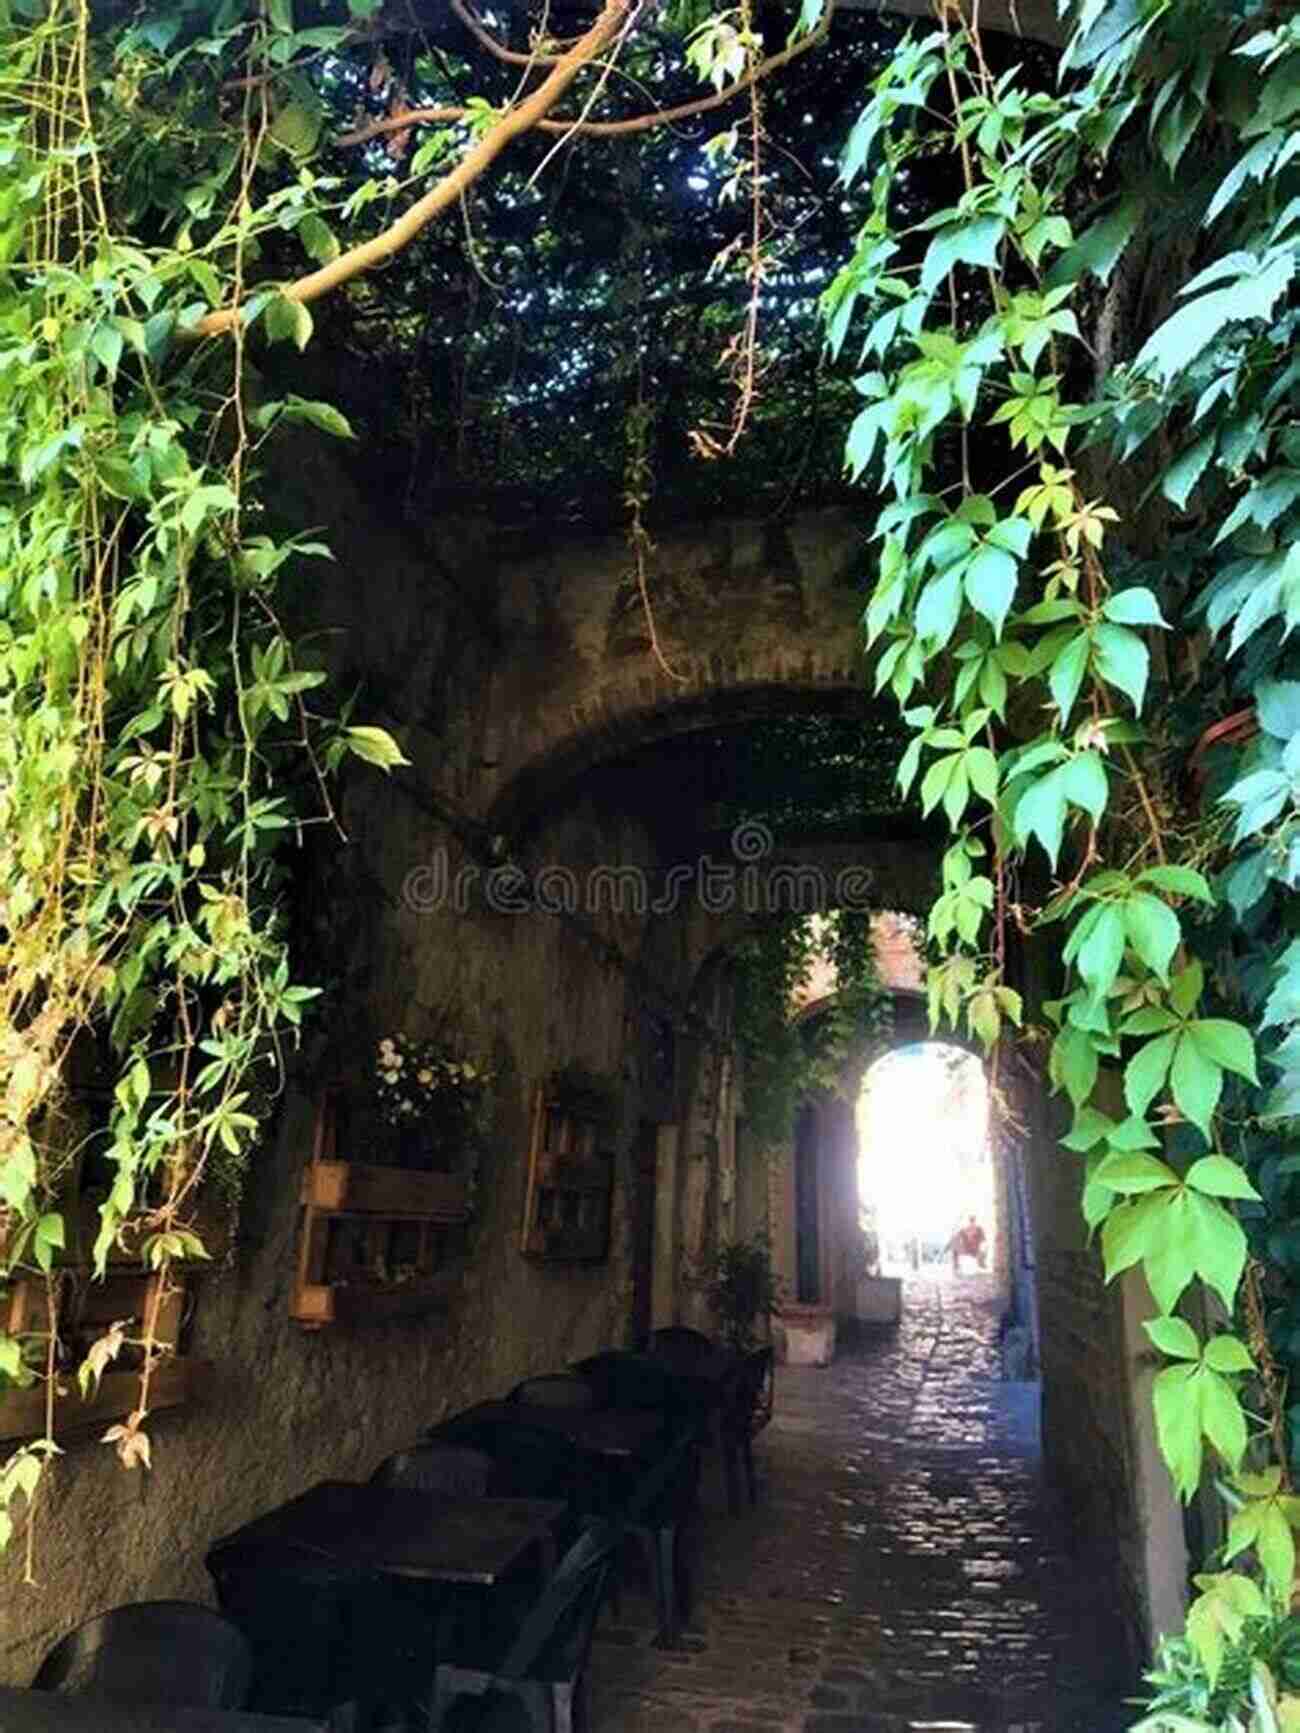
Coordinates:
742 1290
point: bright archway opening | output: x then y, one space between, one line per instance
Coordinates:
925 1168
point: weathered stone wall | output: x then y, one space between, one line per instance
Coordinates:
284 1407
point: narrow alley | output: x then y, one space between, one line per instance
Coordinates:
905 1569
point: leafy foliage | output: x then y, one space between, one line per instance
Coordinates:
154 713
1084 551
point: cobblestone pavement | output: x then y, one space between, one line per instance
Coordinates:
904 1569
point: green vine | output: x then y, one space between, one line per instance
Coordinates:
1081 408
157 740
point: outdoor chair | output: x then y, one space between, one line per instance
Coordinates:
622 1379
679 1339
555 1390
546 1666
657 1515
300 1613
450 1468
173 1652
527 1461
746 1416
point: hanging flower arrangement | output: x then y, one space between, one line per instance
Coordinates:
426 1089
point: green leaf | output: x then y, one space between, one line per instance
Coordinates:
938 607
318 238
1146 1072
1275 1550
1084 781
1122 660
1175 344
1175 1337
1170 1261
1041 812
1220 1176
1135 607
316 414
1178 1425
1226 1044
1227 1354
376 746
1188 984
1067 672
1277 704
1222 1419
1179 881
1102 952
1153 931
1074 1064
287 318
1135 1171
1182 475
971 242
297 129
991 585
1100 247
1196 1082
1127 1234
1217 1244
47 1239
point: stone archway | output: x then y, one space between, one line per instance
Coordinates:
814 1182
753 618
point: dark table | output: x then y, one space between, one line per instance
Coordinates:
406 1533
618 1433
63 1712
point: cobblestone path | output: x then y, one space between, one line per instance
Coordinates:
904 1570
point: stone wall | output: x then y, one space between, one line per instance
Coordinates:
283 1407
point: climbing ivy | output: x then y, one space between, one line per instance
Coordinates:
1080 406
158 741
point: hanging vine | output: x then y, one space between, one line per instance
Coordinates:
1080 404
150 704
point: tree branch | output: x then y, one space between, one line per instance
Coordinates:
498 50
609 128
528 114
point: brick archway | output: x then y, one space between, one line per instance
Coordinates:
754 618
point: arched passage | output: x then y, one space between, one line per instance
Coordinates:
931 1099
816 1191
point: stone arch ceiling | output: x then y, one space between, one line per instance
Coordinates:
754 618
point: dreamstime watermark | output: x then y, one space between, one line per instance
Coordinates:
755 881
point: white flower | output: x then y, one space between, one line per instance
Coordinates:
425 1076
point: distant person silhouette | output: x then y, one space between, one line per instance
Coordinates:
968 1242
